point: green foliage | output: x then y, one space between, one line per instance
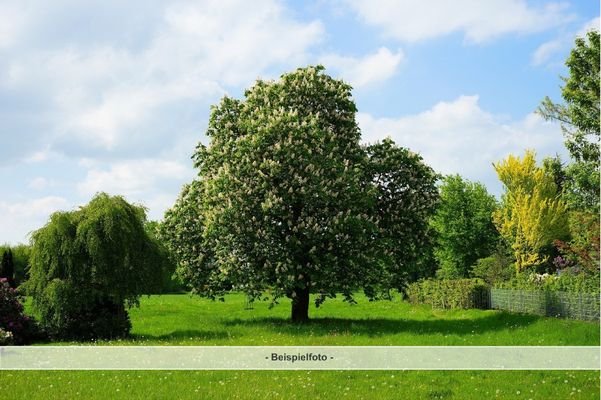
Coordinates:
579 117
449 293
582 251
7 268
463 224
182 232
565 282
406 197
283 205
15 326
88 265
171 283
288 203
20 256
496 268
532 214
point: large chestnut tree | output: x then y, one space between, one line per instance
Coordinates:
288 203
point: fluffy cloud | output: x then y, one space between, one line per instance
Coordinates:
132 178
414 20
546 51
460 137
106 96
124 89
21 217
154 183
372 68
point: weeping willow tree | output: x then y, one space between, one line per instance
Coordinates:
89 265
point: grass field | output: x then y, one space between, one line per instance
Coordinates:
185 320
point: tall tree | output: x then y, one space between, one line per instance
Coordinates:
285 201
89 265
7 268
579 118
20 258
532 214
464 228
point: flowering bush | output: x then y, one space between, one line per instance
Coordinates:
6 338
582 251
568 280
15 326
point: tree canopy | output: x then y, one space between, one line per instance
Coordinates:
532 214
288 203
463 224
579 118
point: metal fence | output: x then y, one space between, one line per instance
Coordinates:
584 306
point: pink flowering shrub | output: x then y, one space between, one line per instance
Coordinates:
16 326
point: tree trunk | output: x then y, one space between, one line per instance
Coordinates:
300 305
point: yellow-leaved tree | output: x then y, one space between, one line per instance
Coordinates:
532 214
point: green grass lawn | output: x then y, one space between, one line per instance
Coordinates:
185 320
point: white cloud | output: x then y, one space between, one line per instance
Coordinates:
153 183
414 20
109 96
22 217
460 137
372 68
548 50
12 24
132 178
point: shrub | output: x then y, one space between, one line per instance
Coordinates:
565 281
15 326
496 268
449 293
6 337
103 318
582 250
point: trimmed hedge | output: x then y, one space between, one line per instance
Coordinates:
449 293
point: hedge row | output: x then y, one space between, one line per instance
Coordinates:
449 293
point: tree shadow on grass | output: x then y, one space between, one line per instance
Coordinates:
183 334
374 327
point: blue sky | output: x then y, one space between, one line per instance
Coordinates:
113 96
